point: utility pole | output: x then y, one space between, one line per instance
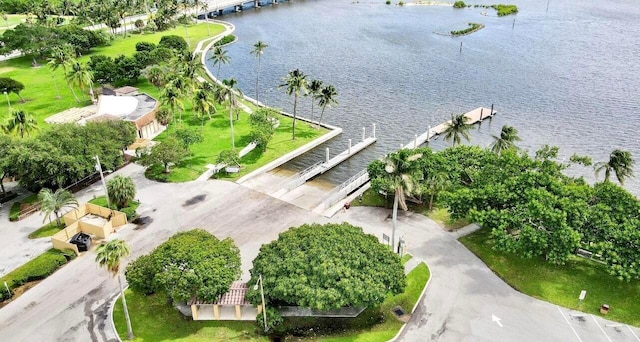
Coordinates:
104 185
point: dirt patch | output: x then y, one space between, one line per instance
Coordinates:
18 291
6 69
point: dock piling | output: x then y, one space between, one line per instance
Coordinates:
374 131
492 109
429 133
349 147
481 110
415 141
364 130
327 154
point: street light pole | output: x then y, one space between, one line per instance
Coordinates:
264 307
104 185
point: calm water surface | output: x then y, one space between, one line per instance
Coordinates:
568 77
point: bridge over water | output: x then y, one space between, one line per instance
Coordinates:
217 7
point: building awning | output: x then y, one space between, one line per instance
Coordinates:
235 296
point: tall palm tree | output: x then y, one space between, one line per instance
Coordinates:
20 123
435 183
315 88
219 57
227 92
80 75
54 202
156 75
401 178
109 255
258 50
204 7
456 128
326 97
506 140
620 162
294 84
170 96
60 57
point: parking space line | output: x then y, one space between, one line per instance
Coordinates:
570 326
634 334
599 326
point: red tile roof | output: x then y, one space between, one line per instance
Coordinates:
235 296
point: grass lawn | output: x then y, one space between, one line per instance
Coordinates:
14 212
46 230
372 199
561 284
406 258
40 89
153 320
12 20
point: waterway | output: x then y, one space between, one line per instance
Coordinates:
569 76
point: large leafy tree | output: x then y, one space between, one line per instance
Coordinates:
457 129
121 190
295 84
169 151
109 255
326 98
6 167
20 123
219 56
326 267
53 202
258 50
191 264
506 140
401 175
620 162
9 85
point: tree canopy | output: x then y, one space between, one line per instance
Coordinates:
326 267
190 264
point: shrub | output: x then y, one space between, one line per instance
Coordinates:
139 275
173 42
14 212
459 4
225 40
229 157
388 2
145 46
274 320
505 9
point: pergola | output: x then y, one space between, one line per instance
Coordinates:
231 306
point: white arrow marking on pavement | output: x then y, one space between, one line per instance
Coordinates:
496 319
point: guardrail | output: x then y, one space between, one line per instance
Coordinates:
345 188
299 178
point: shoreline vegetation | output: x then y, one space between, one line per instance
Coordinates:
473 27
501 9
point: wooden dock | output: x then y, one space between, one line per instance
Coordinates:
473 117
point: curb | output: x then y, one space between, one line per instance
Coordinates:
110 316
404 326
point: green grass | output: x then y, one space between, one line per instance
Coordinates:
12 20
505 9
441 215
561 284
217 137
153 320
406 258
46 230
129 210
40 88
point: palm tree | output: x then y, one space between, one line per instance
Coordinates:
620 162
53 202
435 183
456 128
20 123
60 57
227 92
109 255
156 75
80 75
402 175
121 190
326 97
204 7
295 83
219 57
170 96
506 140
315 88
203 102
258 50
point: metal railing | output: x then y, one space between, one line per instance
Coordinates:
299 178
342 190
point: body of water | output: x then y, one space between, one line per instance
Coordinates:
569 76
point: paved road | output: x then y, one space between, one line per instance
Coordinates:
464 294
72 304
